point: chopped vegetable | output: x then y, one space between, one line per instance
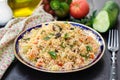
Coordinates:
86 56
88 48
92 56
42 31
60 63
40 46
66 36
57 28
62 45
71 46
53 54
57 35
26 39
71 28
56 50
51 34
47 38
66 22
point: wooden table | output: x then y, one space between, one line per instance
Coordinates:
100 71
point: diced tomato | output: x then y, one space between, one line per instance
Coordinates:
92 56
35 42
60 63
39 64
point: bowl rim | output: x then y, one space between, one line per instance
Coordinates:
99 56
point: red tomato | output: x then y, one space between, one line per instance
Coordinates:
79 8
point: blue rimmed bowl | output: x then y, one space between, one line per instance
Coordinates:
97 36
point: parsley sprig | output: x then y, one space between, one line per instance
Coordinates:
87 20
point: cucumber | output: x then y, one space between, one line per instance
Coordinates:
101 22
107 17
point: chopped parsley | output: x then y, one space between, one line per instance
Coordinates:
26 39
71 28
42 31
53 54
71 46
57 35
46 38
86 56
51 34
62 45
66 36
88 48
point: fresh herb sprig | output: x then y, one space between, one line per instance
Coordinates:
53 54
87 20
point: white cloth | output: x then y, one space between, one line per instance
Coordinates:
12 29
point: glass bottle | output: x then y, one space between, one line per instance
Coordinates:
23 8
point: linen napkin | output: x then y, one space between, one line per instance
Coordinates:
12 29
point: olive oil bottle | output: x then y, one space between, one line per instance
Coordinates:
23 8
